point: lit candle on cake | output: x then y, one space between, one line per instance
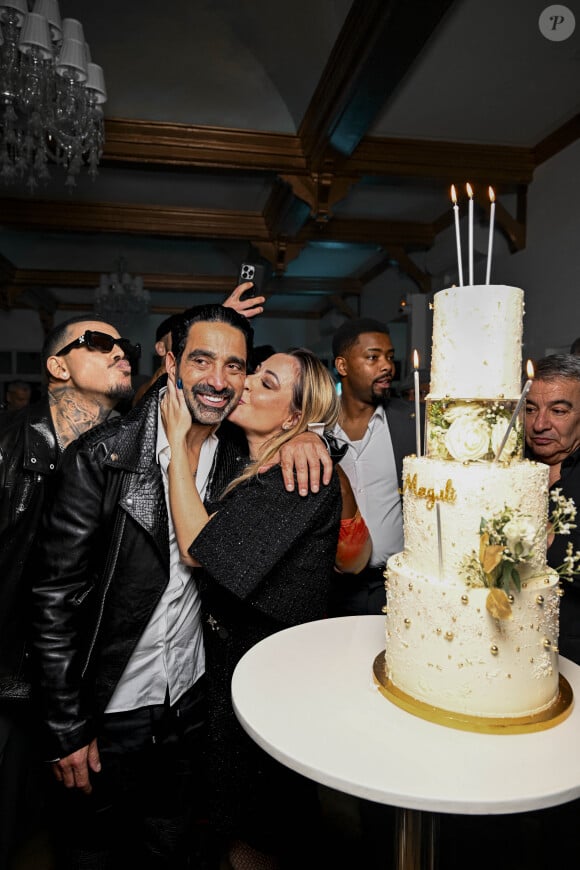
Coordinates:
490 240
470 195
457 236
518 408
417 408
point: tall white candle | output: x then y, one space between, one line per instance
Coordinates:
517 409
490 240
417 406
470 195
457 236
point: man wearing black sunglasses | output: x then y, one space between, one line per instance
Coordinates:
92 339
86 376
117 634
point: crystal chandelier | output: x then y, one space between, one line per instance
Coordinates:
119 296
51 94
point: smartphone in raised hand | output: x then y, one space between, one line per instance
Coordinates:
254 272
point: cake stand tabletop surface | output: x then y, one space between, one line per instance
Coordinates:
307 696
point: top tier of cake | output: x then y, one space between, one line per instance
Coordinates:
477 342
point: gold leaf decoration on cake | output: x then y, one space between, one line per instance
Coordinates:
490 555
498 605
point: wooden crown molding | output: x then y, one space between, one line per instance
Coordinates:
160 144
157 145
153 220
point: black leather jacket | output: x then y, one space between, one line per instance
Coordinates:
105 551
29 456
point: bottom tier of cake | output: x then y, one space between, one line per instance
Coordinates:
443 647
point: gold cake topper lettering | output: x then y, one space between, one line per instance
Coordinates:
429 494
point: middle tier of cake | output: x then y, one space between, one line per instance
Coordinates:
445 502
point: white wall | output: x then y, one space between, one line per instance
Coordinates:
548 270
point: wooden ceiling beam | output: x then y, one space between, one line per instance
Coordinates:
65 279
168 282
155 143
377 45
411 234
162 221
148 146
153 220
558 140
166 310
448 162
407 265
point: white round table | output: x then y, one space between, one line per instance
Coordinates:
307 696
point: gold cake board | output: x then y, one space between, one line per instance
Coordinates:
559 710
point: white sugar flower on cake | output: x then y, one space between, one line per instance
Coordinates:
468 438
470 431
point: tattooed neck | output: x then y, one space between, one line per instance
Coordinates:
74 413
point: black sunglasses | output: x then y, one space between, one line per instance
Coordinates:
104 343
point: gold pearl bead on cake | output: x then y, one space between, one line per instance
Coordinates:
494 650
539 599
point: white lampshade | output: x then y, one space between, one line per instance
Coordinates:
18 7
96 83
72 59
72 29
35 34
49 8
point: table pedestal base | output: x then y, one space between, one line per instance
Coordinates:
416 834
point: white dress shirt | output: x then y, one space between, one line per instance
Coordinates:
370 467
170 653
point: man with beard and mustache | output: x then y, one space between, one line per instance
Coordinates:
376 431
87 369
118 640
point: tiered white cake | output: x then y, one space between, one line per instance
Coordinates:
470 630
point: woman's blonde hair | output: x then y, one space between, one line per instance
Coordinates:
314 398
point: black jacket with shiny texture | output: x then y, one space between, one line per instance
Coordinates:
29 456
105 550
